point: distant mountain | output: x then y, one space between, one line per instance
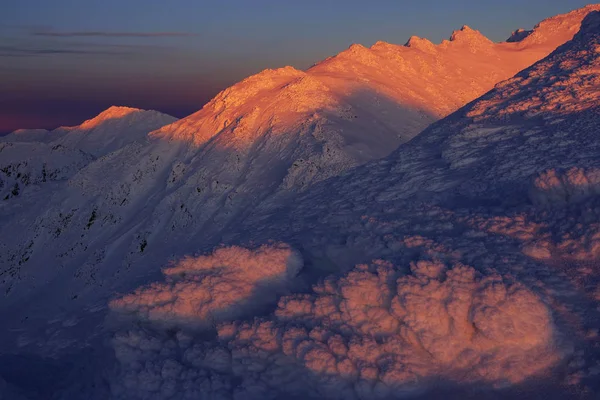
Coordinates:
29 135
112 129
31 157
108 131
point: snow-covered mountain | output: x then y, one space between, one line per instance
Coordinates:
472 202
112 129
462 265
256 144
393 91
108 131
30 157
29 135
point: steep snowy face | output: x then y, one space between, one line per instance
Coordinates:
35 166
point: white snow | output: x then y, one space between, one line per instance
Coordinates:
466 260
222 286
371 334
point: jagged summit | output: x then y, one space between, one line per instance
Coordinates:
419 43
470 38
551 32
356 48
518 35
422 79
564 83
557 29
467 34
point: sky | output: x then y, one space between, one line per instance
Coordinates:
64 61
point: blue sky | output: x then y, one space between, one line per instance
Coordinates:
62 61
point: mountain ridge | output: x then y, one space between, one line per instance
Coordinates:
471 221
472 247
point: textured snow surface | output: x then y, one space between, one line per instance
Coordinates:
462 265
222 286
374 333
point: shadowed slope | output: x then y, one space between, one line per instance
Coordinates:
439 199
487 223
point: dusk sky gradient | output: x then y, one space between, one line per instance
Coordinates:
64 61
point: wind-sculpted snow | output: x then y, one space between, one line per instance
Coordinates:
373 333
559 188
486 222
222 286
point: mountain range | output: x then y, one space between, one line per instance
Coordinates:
350 246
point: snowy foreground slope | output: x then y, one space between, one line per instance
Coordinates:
484 224
477 246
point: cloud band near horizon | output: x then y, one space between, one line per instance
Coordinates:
112 34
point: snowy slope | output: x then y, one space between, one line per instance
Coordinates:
478 245
394 91
232 172
108 131
438 79
29 135
112 129
35 165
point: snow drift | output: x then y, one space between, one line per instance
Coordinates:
222 286
374 333
463 297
